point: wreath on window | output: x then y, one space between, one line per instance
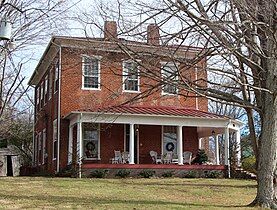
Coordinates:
90 146
169 146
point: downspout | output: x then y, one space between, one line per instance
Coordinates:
59 109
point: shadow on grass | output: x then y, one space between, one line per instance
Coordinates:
50 200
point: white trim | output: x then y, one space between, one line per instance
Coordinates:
132 144
43 145
45 89
137 142
55 122
179 130
124 76
98 58
162 140
70 145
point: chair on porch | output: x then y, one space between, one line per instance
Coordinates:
155 158
168 158
125 157
117 157
187 156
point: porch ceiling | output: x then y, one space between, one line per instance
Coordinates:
153 116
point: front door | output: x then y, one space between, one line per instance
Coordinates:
9 166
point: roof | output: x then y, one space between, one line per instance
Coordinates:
157 111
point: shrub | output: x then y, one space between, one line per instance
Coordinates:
167 174
248 164
147 173
190 174
99 173
123 173
201 157
213 174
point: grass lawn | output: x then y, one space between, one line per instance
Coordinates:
172 193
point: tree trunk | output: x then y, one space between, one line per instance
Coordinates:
266 192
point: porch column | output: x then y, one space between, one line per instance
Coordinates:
70 144
132 144
216 150
80 145
238 147
199 143
180 145
227 155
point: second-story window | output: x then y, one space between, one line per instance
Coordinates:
50 85
57 66
45 89
37 96
170 78
130 76
41 93
91 72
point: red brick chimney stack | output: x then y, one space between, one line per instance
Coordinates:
110 30
153 34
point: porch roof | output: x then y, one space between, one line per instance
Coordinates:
157 111
158 115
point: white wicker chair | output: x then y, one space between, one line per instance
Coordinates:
187 156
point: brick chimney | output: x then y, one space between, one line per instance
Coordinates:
153 34
110 30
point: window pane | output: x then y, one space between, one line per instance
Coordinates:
91 82
131 76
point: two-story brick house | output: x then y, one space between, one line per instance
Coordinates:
97 95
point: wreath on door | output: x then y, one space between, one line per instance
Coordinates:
169 146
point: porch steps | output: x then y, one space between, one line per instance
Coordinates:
242 174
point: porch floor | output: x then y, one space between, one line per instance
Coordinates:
152 166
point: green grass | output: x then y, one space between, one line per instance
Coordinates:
172 193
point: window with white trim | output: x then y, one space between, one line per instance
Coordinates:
44 155
39 148
37 95
130 76
50 85
170 139
57 67
55 139
45 89
170 78
41 93
91 141
91 72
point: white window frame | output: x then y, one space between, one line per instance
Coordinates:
45 89
56 70
175 65
99 144
43 145
125 76
99 72
50 85
39 147
162 138
37 95
42 93
55 131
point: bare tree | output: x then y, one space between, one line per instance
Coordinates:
238 39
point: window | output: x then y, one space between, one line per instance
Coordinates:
50 85
44 155
57 67
41 93
39 148
45 89
37 95
170 139
170 78
55 139
91 72
36 150
91 140
130 76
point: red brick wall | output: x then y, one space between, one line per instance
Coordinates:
149 139
64 143
111 138
190 140
111 85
